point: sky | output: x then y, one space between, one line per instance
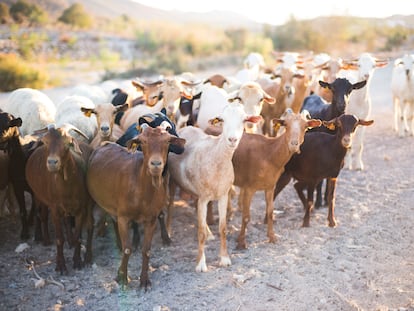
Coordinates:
277 12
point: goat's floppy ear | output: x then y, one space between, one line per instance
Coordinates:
177 144
87 111
122 107
15 122
329 124
277 123
235 97
217 121
314 123
75 145
254 119
324 84
365 122
132 144
359 85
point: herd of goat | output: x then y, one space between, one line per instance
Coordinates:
124 151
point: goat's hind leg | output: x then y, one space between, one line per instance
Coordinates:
307 202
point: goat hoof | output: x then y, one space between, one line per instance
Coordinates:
241 245
145 284
272 239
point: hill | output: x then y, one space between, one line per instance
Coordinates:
137 11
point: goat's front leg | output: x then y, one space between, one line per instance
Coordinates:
202 234
331 201
222 209
246 201
269 215
149 228
123 231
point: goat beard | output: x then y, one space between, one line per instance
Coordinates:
156 181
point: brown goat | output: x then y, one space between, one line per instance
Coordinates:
259 161
321 156
56 173
133 187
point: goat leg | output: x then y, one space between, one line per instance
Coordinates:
331 185
149 228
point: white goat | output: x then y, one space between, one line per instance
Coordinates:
69 112
360 104
212 102
205 170
402 88
34 107
252 96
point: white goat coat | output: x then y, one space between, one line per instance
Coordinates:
34 107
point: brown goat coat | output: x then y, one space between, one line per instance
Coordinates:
258 163
132 186
64 191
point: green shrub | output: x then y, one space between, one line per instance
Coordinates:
15 73
76 16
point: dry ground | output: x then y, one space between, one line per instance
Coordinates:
365 263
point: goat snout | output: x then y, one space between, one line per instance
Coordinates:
294 145
233 141
156 166
53 164
346 141
105 130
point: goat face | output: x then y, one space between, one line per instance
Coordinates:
296 125
234 117
58 144
8 128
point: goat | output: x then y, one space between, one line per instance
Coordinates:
259 161
105 117
14 161
56 173
321 156
69 112
402 88
360 104
205 170
341 90
35 109
132 186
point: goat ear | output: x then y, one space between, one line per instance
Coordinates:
329 124
74 143
132 144
365 122
15 122
186 95
122 107
277 123
268 99
87 111
254 119
324 84
216 121
177 144
138 85
359 85
314 123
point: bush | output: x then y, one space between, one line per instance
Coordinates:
15 73
76 16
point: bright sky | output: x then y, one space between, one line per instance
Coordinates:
278 12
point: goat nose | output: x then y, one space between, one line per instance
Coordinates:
52 162
233 140
104 128
294 143
156 163
346 141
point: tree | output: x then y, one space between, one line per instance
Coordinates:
22 11
76 16
4 13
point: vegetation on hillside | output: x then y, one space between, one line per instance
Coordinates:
166 48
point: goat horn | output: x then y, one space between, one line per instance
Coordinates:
67 127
